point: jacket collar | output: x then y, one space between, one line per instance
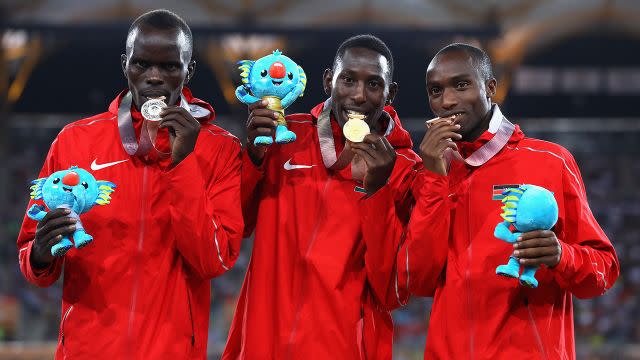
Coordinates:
501 132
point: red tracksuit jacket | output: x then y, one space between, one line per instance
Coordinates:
306 294
450 251
141 289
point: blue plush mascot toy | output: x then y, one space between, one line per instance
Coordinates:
277 79
75 189
526 208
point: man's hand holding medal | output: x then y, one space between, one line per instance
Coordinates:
182 126
440 136
375 150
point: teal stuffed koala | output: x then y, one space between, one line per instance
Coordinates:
525 208
74 189
277 79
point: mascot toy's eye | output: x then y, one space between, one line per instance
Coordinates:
263 73
56 180
290 75
84 183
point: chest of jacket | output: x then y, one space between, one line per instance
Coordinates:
317 208
138 216
475 198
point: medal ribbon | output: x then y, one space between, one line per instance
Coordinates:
328 147
489 149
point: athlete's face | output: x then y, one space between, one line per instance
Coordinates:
360 82
456 87
157 65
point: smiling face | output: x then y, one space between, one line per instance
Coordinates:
274 75
455 87
75 188
158 64
360 82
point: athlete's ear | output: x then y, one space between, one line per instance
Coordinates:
191 69
491 85
123 63
327 81
393 90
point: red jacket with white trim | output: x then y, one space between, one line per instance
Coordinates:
450 253
307 292
141 289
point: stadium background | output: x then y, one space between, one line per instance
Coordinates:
567 70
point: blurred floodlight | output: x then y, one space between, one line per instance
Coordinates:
532 80
14 39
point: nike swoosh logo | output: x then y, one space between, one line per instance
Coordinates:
288 166
95 166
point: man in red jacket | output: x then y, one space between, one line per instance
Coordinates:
307 293
141 289
470 155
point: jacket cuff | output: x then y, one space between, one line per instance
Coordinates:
376 203
39 274
566 253
248 167
563 272
427 183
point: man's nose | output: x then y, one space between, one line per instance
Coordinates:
359 95
449 99
154 76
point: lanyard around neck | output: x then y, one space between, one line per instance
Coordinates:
489 149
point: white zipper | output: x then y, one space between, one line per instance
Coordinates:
470 304
136 280
360 330
193 330
64 319
312 239
535 329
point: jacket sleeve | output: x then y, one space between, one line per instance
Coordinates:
204 207
47 276
383 232
423 256
588 265
403 256
252 176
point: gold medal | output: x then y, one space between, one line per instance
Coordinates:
355 129
274 103
152 108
